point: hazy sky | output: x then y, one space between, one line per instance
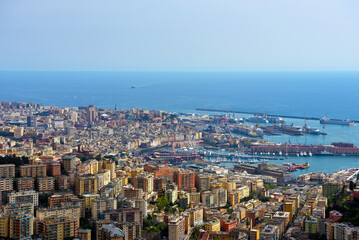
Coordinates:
224 35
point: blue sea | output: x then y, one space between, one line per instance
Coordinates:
313 94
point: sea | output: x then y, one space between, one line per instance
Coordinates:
310 94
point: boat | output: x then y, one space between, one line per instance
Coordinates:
326 120
292 169
325 152
133 86
301 166
292 129
311 130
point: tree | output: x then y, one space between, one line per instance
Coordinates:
351 185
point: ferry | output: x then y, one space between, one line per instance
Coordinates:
326 120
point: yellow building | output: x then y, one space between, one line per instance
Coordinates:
243 191
86 184
4 225
213 226
230 186
289 206
108 164
73 212
234 198
88 200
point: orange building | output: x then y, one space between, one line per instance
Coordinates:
184 179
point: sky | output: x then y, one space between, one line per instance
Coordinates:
179 35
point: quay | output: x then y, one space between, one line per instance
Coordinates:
271 115
297 149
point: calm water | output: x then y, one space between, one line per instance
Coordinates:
334 94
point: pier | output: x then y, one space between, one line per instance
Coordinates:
271 115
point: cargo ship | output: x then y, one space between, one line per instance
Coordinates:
326 120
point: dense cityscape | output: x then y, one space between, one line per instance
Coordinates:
93 173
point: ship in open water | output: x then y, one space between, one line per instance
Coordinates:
326 120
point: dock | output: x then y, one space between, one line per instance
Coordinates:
271 115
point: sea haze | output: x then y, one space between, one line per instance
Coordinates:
289 93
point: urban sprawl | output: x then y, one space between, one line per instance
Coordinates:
93 173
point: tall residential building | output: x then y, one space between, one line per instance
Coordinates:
70 162
24 197
6 184
91 114
4 225
55 169
33 170
158 185
7 170
21 226
185 179
176 228
45 184
234 198
31 121
86 184
131 230
99 205
144 182
24 183
57 228
202 182
108 164
62 183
